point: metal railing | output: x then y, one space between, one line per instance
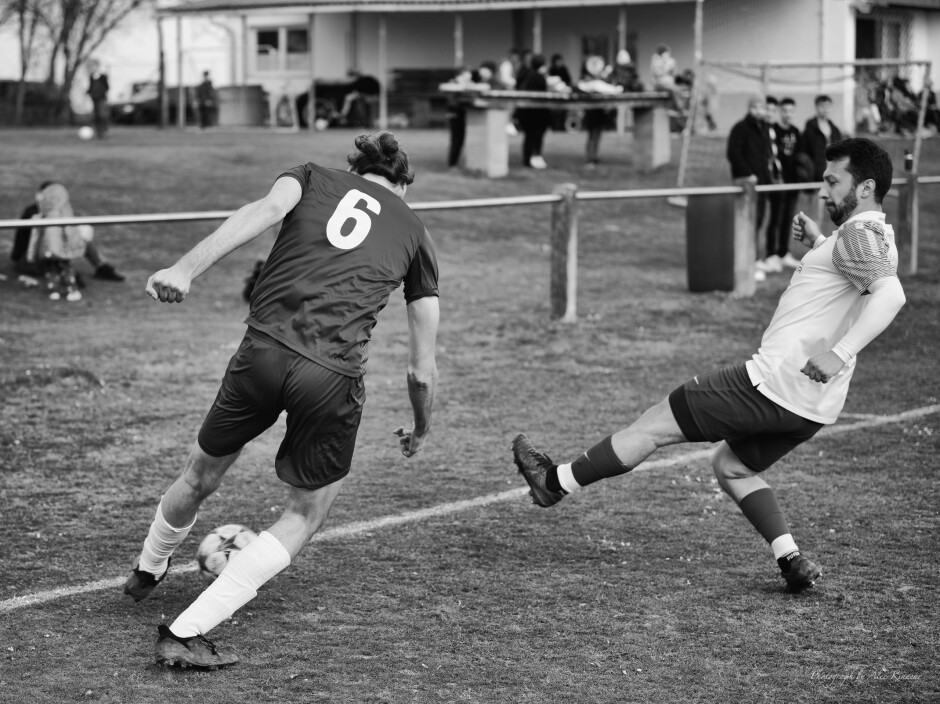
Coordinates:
564 222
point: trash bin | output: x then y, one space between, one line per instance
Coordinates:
709 238
241 106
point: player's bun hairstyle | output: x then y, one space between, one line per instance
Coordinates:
381 154
866 161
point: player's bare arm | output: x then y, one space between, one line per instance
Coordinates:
248 222
887 298
805 230
423 318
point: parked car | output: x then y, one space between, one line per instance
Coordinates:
329 99
143 105
40 103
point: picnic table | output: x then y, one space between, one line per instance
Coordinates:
486 149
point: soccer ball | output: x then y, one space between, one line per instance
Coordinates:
86 133
218 546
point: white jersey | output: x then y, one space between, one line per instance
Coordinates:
824 299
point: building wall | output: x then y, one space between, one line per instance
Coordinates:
734 30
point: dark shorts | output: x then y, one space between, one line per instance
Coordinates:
323 408
725 405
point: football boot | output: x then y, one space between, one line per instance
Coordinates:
801 573
534 465
140 583
197 652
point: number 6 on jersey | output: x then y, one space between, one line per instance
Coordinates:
347 210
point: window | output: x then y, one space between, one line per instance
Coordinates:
268 50
298 50
282 49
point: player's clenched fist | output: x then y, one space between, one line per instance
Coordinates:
409 443
168 285
804 229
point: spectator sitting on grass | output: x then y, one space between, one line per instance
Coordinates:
25 240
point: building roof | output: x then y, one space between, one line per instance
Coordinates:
208 7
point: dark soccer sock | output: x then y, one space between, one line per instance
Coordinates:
600 462
551 479
762 510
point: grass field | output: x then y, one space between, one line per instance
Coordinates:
651 588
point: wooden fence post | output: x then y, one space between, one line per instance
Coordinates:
564 281
745 238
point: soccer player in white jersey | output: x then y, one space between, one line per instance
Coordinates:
843 295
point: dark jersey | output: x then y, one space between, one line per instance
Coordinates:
342 250
789 143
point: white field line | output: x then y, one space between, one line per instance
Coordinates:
349 530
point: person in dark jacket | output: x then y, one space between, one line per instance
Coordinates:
794 168
98 92
750 155
206 101
534 122
819 133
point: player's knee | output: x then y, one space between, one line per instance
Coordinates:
727 467
203 473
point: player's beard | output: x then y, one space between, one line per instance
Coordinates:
843 211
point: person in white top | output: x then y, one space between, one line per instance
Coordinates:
842 296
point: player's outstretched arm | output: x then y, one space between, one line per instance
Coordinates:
423 318
887 298
171 285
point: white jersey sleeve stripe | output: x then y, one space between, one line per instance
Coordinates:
862 254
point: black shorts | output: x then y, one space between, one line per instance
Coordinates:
323 408
725 405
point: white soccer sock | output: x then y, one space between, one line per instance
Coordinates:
238 584
162 540
566 479
783 546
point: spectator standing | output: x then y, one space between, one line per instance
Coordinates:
594 79
559 69
525 67
793 169
506 71
98 92
663 70
465 80
819 133
769 262
206 101
559 78
624 73
748 152
534 122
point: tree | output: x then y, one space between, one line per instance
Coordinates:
70 30
27 26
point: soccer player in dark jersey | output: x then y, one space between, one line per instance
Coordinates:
347 241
